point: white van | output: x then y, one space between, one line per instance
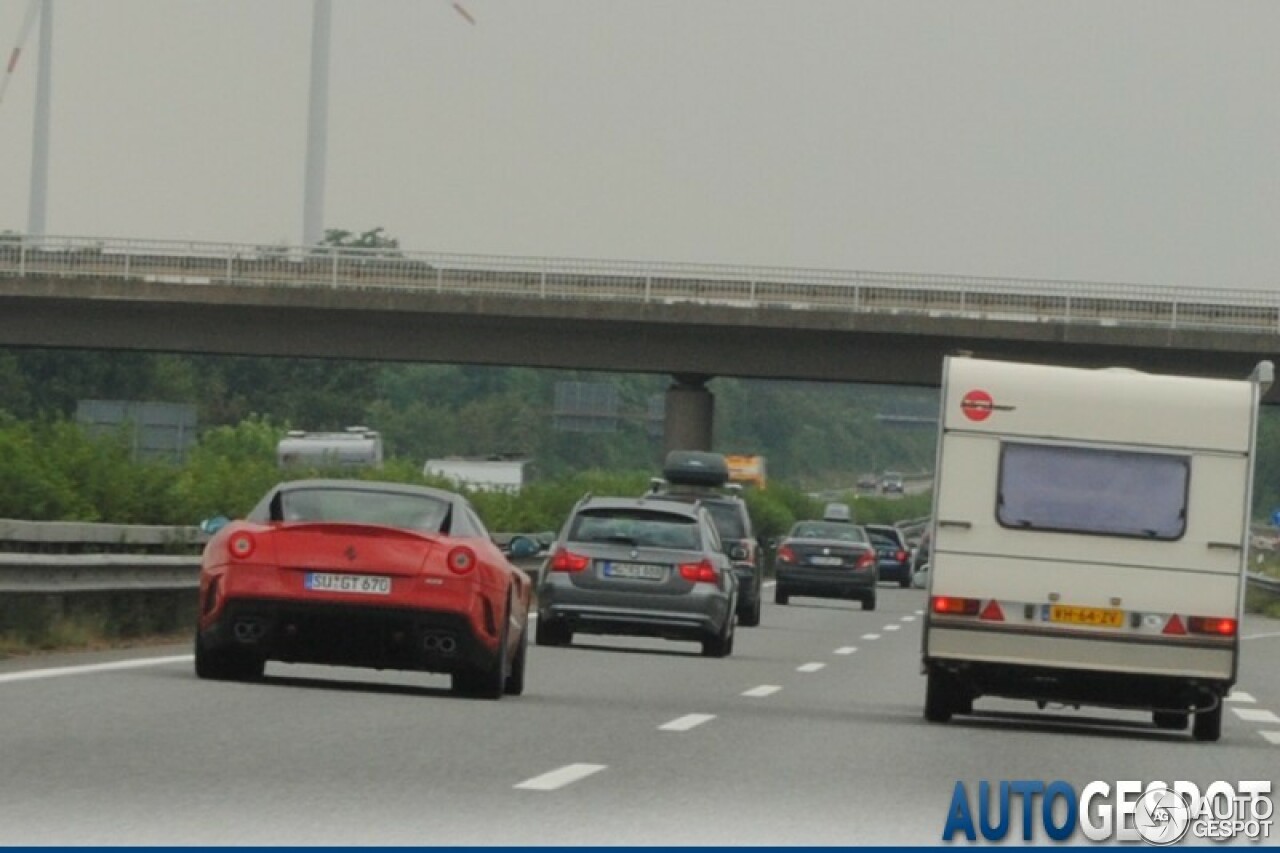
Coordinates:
1089 539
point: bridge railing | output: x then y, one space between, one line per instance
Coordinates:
731 286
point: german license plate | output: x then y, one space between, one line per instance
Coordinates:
825 561
1094 616
362 584
635 571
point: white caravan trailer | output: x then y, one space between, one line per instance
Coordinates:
1089 539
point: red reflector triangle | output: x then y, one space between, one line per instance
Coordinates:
1174 625
992 612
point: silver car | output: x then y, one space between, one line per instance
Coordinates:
640 567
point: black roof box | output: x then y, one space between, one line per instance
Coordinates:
695 468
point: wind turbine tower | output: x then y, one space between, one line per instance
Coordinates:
42 9
317 125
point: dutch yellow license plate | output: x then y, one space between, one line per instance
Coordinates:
1099 617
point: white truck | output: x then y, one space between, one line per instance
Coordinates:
357 447
1089 536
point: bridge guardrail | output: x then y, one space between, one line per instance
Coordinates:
975 297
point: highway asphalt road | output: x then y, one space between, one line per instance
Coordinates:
810 733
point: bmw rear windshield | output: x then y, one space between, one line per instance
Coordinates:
1101 491
636 527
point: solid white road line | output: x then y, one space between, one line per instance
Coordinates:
566 775
1241 696
1256 715
1268 636
810 667
688 721
891 627
88 669
1272 737
762 690
846 650
870 636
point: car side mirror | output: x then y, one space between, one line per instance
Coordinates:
213 525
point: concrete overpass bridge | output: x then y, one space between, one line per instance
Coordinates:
691 321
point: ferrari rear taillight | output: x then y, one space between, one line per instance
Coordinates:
786 555
700 572
461 560
564 560
241 546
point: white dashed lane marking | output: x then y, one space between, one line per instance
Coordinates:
870 636
919 612
1272 737
33 674
892 627
688 721
1256 715
810 667
762 690
846 650
566 775
908 619
1241 696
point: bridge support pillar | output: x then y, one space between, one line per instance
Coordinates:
689 415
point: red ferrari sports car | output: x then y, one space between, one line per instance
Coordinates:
355 573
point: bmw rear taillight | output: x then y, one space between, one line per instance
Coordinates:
786 555
700 572
241 545
866 561
564 560
951 606
461 560
1211 625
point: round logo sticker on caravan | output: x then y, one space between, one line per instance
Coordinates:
977 405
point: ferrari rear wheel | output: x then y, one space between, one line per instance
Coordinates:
226 664
487 682
515 680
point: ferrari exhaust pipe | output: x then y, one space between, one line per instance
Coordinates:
248 631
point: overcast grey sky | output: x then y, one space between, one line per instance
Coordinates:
1118 141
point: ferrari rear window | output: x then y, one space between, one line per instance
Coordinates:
636 527
361 506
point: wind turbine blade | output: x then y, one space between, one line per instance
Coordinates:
28 24
461 10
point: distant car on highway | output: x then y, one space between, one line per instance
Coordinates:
642 567
894 557
826 559
892 483
355 573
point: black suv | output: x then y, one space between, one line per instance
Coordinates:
691 475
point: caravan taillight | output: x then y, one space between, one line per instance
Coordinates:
1211 625
948 606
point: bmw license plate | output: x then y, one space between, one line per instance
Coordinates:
825 561
362 584
635 571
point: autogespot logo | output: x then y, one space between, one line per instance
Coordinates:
1157 813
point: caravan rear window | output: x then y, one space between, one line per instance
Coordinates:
1093 490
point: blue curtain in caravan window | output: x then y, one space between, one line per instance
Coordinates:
1090 490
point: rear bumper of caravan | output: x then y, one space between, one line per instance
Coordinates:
1210 661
